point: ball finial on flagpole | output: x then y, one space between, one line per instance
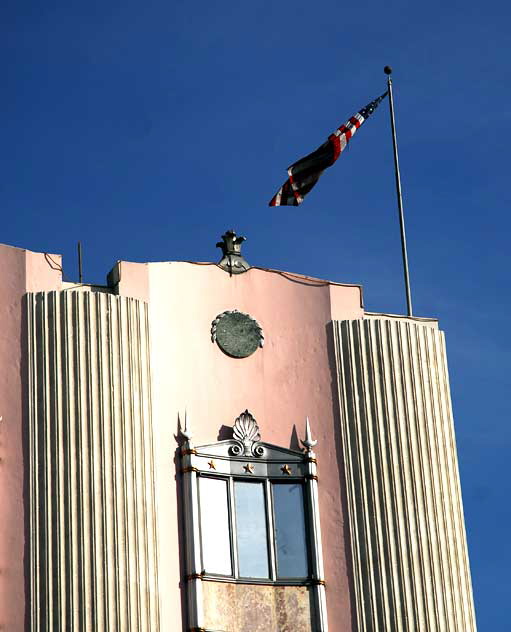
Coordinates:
387 70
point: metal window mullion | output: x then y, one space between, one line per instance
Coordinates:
233 530
270 526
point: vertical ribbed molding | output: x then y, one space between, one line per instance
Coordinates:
93 548
410 562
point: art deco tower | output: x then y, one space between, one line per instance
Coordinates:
158 471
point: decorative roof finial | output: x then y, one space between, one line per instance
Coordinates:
246 436
308 442
232 260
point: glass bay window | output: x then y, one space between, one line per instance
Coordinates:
251 516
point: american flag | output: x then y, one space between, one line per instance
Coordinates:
304 173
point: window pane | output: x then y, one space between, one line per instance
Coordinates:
291 543
251 530
214 516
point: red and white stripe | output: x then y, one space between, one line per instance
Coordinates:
344 133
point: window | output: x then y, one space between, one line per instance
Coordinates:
290 535
253 529
251 517
251 521
214 510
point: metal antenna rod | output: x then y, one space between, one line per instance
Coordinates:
388 72
80 271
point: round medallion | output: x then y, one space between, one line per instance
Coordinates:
237 334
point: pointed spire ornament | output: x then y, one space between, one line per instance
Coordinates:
186 431
308 442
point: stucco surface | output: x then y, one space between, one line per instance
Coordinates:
291 377
19 270
234 607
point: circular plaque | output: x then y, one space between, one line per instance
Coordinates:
237 334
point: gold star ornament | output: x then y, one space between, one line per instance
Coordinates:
285 469
212 465
249 468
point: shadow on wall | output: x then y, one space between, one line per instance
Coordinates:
294 442
224 433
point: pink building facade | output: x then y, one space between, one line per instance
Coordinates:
118 405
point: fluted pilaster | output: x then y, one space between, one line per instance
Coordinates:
409 552
93 549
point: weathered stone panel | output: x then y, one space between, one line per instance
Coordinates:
252 608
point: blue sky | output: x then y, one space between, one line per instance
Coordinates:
148 129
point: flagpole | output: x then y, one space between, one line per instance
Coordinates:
388 72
